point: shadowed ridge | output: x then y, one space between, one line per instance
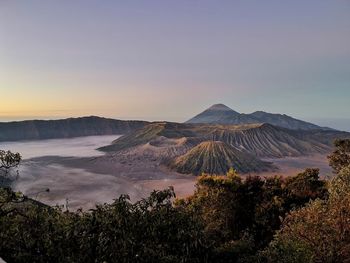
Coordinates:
65 128
286 121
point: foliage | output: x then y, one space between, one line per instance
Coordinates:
320 231
340 184
341 156
288 251
303 187
228 219
242 216
151 230
8 161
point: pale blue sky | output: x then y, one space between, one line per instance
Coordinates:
171 59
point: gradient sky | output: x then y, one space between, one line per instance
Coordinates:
171 59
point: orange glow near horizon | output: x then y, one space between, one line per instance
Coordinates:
160 60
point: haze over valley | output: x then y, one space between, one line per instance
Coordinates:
69 169
143 156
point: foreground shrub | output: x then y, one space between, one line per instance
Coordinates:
151 230
319 232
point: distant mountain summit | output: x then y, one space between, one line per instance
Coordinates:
221 107
215 114
221 114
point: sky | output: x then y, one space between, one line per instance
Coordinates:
169 60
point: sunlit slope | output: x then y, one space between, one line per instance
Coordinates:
215 157
262 140
266 140
150 133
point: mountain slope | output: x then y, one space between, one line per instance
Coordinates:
65 128
221 114
215 157
268 141
285 121
262 140
149 133
214 148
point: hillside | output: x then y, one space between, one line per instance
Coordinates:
149 133
262 140
65 128
215 157
266 140
285 121
221 114
180 147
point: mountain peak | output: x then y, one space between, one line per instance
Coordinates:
214 113
220 107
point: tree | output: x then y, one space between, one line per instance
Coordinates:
341 156
303 187
320 231
8 161
150 230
